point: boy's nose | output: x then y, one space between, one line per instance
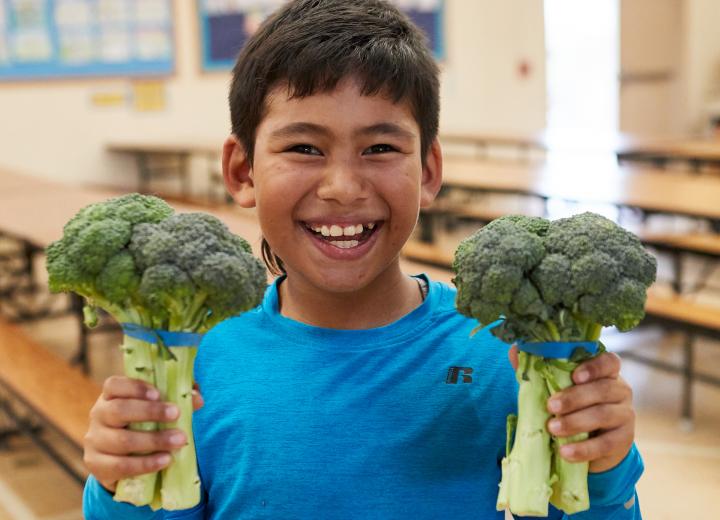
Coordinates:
342 183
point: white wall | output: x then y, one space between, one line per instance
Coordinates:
52 129
701 61
486 41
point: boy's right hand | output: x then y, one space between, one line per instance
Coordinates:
111 450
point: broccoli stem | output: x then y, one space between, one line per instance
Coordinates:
180 480
594 332
570 491
526 471
553 330
138 359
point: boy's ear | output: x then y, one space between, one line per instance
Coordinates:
432 174
237 172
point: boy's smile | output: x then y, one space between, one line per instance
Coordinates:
338 181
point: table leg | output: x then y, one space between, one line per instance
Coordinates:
143 172
688 379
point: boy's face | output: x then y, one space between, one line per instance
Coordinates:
338 181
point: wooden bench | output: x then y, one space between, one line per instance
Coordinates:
669 310
58 393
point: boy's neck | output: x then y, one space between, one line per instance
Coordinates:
386 299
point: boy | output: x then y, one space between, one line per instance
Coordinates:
331 399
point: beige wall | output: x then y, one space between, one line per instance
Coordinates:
482 90
52 129
702 61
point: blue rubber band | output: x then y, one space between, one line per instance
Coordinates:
558 349
170 339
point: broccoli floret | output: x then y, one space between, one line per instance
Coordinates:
195 261
549 281
491 264
92 259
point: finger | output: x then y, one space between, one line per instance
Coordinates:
603 445
197 400
111 468
124 387
513 356
578 397
606 364
119 413
598 417
119 441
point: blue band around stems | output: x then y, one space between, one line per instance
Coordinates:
558 349
170 339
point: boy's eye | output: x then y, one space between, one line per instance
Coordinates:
304 149
380 148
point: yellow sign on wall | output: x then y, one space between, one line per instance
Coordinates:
108 98
149 96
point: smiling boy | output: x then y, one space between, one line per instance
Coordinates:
354 390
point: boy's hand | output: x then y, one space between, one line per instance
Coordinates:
600 403
111 450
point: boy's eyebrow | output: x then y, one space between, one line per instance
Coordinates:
386 129
299 128
294 129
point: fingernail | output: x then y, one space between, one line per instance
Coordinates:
177 439
152 394
163 460
554 426
567 451
582 376
554 405
171 412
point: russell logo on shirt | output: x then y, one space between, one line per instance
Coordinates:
455 373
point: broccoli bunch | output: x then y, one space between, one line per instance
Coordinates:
145 265
559 281
552 281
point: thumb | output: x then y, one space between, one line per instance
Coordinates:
513 356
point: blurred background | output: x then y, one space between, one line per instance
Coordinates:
548 108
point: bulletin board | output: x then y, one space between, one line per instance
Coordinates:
70 38
225 26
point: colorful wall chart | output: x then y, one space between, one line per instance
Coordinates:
226 25
68 38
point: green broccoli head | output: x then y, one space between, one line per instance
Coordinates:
197 270
168 293
91 259
610 273
491 265
234 284
553 280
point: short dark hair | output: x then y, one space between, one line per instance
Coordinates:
311 45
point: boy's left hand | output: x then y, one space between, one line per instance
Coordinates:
600 403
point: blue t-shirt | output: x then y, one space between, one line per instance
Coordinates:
402 421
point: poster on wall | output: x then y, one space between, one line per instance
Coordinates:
69 38
226 25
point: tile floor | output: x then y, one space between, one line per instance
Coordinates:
681 481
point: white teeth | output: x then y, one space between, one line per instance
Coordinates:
336 230
344 244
